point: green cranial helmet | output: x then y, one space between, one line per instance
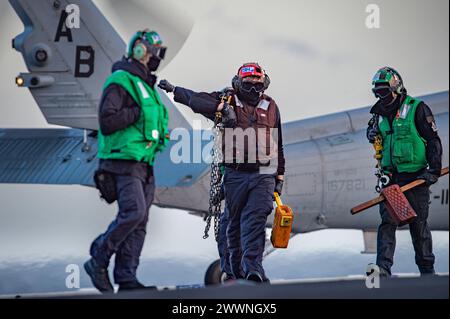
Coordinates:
149 41
387 80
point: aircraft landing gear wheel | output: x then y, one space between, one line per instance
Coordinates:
213 274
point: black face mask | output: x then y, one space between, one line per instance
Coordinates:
251 97
387 101
153 64
151 80
385 95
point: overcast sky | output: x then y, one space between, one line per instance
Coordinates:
320 57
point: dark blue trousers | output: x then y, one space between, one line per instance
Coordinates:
419 198
222 243
126 234
249 200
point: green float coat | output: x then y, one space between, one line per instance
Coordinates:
403 148
143 139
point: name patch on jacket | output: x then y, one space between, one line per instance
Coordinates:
431 121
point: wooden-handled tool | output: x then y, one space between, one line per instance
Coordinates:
380 199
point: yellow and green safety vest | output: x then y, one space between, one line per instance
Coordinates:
404 150
143 139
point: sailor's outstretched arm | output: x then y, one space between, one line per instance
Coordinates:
203 103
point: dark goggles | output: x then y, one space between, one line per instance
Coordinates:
381 92
157 51
248 86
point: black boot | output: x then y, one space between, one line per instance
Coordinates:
134 285
427 273
255 277
384 273
99 276
226 277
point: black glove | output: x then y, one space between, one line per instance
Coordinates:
371 134
372 130
429 178
166 86
278 186
229 118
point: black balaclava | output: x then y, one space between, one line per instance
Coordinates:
388 106
252 98
388 101
153 64
151 79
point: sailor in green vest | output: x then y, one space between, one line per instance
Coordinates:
132 130
411 150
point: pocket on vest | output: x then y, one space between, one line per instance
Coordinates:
115 144
403 153
262 118
403 131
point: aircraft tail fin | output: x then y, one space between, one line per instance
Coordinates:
69 62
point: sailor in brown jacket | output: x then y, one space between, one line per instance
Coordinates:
254 164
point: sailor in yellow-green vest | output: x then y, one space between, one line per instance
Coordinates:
132 130
411 150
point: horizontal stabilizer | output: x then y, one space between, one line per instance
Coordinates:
47 156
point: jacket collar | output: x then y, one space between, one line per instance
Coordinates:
380 110
263 104
136 68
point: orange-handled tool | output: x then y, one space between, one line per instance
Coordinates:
282 224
